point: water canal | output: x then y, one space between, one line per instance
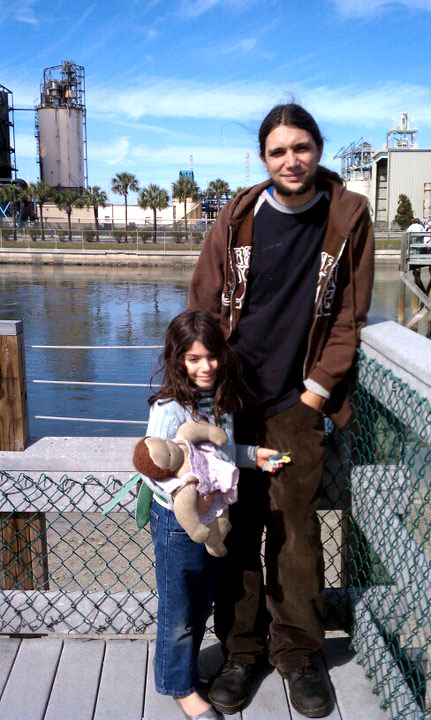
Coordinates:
109 307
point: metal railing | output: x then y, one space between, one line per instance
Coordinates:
85 383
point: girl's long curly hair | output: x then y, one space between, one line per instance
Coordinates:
230 391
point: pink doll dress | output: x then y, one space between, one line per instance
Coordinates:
215 477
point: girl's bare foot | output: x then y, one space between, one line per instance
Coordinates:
193 704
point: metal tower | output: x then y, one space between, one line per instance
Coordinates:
356 160
61 132
402 136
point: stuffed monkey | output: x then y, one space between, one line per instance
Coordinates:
188 467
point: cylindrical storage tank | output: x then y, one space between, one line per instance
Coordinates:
427 201
61 146
5 147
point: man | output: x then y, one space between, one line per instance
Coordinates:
287 269
415 226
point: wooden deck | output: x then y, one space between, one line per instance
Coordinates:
96 679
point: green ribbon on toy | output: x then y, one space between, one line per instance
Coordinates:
121 493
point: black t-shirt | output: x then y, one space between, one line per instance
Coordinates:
272 333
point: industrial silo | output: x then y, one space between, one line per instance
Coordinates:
60 127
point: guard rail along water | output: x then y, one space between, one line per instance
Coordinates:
66 568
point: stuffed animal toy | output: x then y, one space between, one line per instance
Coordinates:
188 467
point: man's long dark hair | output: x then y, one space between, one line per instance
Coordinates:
296 116
230 389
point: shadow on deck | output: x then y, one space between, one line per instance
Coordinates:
86 679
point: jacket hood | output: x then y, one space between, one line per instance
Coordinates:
241 203
345 211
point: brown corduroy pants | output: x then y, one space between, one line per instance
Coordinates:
286 608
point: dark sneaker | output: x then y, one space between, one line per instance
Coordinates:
230 689
308 694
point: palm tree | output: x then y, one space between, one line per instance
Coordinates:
13 194
66 199
218 189
122 184
155 198
184 189
41 192
94 197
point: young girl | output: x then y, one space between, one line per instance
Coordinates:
201 379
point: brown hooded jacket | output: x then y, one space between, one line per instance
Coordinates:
343 291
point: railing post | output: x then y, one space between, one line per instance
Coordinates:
23 551
13 390
22 535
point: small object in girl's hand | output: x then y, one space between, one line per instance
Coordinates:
284 457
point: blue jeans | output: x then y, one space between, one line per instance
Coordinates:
185 575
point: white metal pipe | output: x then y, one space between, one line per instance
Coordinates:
82 382
99 347
100 420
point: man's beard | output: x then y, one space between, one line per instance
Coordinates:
305 187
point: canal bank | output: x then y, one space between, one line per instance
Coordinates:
113 258
126 258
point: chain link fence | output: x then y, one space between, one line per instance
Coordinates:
67 568
390 538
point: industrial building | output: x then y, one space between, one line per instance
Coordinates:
401 167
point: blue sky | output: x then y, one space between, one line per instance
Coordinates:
169 80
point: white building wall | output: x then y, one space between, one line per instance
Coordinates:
135 214
408 171
363 187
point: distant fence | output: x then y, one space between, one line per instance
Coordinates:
57 236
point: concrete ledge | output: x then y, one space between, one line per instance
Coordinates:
11 327
72 454
126 258
151 258
406 353
84 253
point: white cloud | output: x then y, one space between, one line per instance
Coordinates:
170 97
146 127
202 154
365 8
24 93
185 98
24 11
195 8
21 10
244 45
369 107
123 151
148 34
113 153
